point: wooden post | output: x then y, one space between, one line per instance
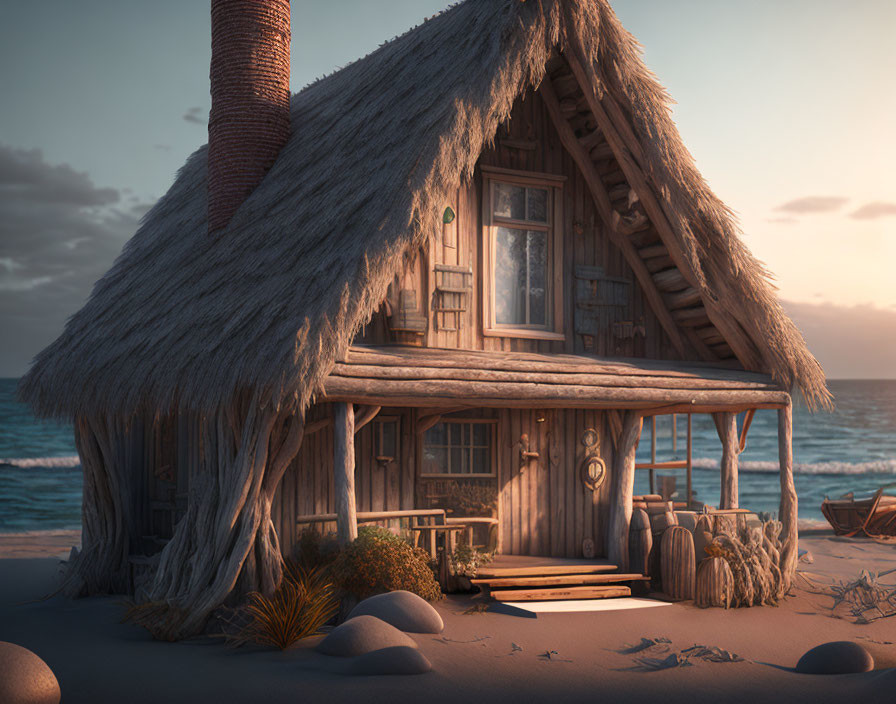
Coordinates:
623 487
344 472
690 460
789 509
726 425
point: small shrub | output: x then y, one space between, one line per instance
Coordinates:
465 561
314 550
304 601
379 561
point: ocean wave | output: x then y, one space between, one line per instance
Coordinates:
73 461
831 468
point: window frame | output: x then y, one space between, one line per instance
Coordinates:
553 184
377 423
493 455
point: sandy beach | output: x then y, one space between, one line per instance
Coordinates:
483 656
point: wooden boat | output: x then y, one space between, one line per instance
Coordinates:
874 517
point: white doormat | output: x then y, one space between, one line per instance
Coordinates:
578 605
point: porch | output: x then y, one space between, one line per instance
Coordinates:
565 429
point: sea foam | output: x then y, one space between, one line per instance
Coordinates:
72 461
829 468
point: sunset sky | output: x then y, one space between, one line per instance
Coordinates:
787 105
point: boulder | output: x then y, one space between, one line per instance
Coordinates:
25 678
842 657
400 660
362 634
404 610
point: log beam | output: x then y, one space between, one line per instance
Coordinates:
788 512
630 156
726 425
610 217
344 472
622 490
441 393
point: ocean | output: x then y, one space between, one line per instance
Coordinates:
851 449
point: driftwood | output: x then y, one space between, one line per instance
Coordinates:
226 542
726 424
622 490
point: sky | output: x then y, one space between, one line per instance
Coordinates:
787 106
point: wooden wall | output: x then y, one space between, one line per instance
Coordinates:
543 507
528 142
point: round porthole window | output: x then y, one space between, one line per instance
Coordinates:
594 471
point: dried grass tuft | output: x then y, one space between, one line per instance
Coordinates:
302 604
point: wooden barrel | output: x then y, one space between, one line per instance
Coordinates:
640 542
687 519
715 583
659 522
677 563
701 540
703 524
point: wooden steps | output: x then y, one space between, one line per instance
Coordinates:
559 580
561 593
543 570
555 581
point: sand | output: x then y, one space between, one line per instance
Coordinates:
485 657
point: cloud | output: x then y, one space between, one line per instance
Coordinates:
59 233
196 115
782 221
872 211
813 204
25 176
850 341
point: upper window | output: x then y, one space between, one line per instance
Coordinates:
522 254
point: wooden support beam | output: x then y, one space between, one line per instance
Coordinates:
369 413
595 378
439 393
630 155
726 425
316 425
623 489
610 217
344 472
788 511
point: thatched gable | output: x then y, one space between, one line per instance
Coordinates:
267 305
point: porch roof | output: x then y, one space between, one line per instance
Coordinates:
439 378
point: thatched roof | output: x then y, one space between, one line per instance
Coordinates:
266 305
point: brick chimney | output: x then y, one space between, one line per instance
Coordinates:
249 120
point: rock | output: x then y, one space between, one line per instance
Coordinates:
400 660
25 678
840 657
404 610
362 634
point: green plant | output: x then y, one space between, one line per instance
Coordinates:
378 561
465 561
304 601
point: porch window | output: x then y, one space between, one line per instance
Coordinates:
385 430
522 255
459 448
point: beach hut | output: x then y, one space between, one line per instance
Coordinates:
455 275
